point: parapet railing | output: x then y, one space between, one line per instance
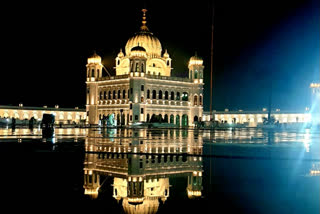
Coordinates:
125 76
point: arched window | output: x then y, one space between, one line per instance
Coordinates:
171 119
148 94
142 65
105 95
166 118
100 95
123 94
92 73
184 120
131 66
172 95
137 67
119 94
114 94
178 96
160 94
200 100
166 95
109 95
178 119
118 62
196 74
185 96
154 94
97 72
195 100
168 62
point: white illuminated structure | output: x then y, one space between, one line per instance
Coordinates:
143 86
22 113
141 164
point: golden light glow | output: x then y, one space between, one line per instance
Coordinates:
194 193
195 62
315 85
135 200
138 54
315 172
95 59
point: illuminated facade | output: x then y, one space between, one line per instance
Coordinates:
22 113
141 165
255 118
143 86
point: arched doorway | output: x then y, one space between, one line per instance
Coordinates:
122 116
184 121
178 120
195 119
165 118
171 119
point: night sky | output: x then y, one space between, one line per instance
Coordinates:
261 48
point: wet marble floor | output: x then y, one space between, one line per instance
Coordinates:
161 170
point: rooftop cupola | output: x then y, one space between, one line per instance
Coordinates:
196 68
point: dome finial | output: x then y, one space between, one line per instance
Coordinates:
144 21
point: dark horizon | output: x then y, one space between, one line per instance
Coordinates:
260 48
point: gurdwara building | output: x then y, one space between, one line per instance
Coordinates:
143 87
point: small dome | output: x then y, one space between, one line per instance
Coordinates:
95 58
120 54
195 60
166 55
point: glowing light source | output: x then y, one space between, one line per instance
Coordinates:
315 85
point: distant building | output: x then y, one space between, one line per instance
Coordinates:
254 118
143 87
62 115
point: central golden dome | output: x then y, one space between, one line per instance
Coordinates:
145 39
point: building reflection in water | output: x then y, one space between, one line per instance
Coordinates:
141 163
315 169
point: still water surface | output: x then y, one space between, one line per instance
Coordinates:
160 170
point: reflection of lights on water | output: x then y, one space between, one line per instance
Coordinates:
308 118
315 170
306 140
